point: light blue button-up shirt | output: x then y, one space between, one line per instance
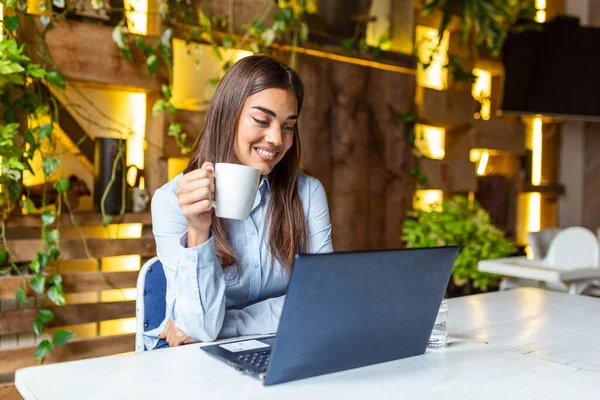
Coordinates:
207 302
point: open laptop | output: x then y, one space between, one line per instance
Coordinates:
348 310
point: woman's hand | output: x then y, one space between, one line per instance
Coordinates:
195 194
175 336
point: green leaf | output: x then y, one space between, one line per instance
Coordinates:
166 91
14 190
29 138
347 44
62 336
227 65
59 3
38 283
55 280
50 164
11 23
46 21
159 107
48 217
165 38
52 236
43 259
254 48
34 266
227 42
214 82
45 131
62 185
3 256
174 129
55 294
57 79
54 253
28 205
36 71
21 296
45 315
43 349
152 63
38 325
106 220
303 34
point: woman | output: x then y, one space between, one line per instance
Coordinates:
226 277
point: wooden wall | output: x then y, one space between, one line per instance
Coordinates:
354 143
591 180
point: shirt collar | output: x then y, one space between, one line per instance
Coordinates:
264 181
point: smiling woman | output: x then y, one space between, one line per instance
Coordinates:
228 277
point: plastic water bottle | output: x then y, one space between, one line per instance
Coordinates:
439 334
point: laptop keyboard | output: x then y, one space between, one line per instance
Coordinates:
257 361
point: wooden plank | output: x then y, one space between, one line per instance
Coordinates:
24 250
21 357
500 134
591 173
81 219
76 282
8 391
445 107
18 321
449 174
315 120
70 45
349 149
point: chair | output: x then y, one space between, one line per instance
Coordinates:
150 304
539 242
572 264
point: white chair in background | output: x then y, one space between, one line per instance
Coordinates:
571 264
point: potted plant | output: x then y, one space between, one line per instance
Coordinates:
459 222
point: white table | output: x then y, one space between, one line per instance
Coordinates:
523 343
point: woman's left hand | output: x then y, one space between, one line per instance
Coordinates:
175 336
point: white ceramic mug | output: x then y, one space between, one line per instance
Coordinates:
235 190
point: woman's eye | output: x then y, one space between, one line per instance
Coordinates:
290 128
261 121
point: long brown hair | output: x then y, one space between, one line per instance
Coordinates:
285 216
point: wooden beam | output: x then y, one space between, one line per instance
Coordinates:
21 357
81 219
451 175
86 52
445 107
494 134
24 250
17 321
8 391
75 282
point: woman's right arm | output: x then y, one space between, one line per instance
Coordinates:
192 270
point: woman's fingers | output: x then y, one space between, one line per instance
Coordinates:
205 171
195 191
191 210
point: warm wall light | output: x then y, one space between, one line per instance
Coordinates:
483 162
540 15
430 141
137 19
435 76
428 200
482 90
536 147
533 220
135 141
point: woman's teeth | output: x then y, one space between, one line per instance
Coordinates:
266 153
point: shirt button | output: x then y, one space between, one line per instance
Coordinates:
253 233
255 265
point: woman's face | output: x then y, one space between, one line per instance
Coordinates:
265 130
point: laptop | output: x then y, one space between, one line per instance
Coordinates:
347 310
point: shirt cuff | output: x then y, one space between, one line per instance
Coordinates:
200 255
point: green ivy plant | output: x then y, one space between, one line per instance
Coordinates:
464 224
21 99
216 31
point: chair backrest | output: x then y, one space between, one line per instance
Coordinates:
150 304
540 241
573 248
